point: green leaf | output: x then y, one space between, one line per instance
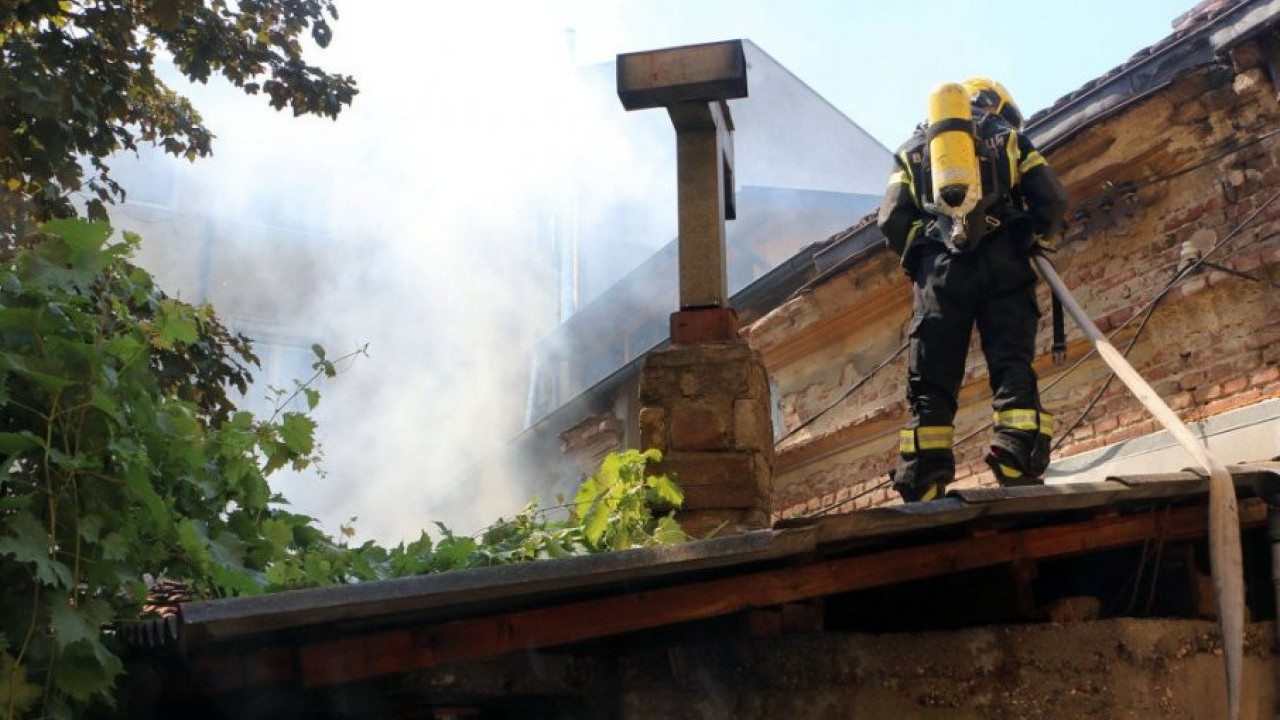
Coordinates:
193 536
597 517
664 491
138 483
115 547
90 528
85 669
124 347
669 532
175 322
72 624
297 432
279 533
28 542
14 443
80 235
44 380
17 318
66 263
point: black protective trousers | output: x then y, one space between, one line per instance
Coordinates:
992 286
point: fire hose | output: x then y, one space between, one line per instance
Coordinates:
1225 556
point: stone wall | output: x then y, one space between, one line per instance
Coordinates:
1108 669
705 406
1121 668
1192 166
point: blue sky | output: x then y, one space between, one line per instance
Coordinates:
877 61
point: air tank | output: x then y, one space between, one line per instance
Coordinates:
957 184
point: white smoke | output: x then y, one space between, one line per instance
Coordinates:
419 223
416 224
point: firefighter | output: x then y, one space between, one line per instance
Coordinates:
967 249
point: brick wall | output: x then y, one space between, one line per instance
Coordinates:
1191 164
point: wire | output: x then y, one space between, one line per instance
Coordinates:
1106 384
1148 309
854 388
846 501
1102 199
1241 274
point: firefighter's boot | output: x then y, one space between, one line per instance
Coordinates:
1020 450
928 463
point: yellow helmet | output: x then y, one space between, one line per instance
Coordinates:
992 97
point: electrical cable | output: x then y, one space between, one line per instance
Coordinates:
854 388
1127 187
867 491
1241 274
1147 310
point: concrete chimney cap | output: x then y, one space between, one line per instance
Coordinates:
689 73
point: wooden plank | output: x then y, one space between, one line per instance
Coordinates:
266 667
1024 573
399 650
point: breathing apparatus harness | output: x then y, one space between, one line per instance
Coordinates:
968 179
965 182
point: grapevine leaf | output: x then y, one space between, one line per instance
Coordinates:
115 547
279 533
108 405
124 347
597 518
297 431
79 235
609 470
137 482
14 443
193 536
9 503
90 528
174 323
668 531
452 552
556 549
664 491
17 318
65 264
587 496
29 543
46 381
59 709
84 669
72 624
